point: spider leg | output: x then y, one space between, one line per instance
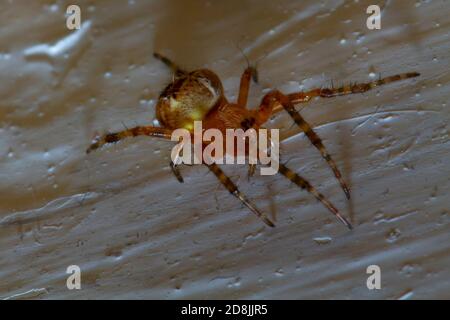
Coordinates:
251 170
303 97
275 98
244 86
173 66
174 163
133 132
176 172
304 184
232 188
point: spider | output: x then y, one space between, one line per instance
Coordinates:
199 96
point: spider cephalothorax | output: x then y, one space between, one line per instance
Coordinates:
198 96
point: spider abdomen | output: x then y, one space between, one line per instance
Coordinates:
189 98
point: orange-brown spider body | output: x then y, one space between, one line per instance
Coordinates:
199 96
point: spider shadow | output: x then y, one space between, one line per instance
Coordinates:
347 168
273 210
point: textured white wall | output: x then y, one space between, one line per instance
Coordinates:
137 233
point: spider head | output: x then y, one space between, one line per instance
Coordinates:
189 98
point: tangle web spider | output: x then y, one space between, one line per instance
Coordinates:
198 96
